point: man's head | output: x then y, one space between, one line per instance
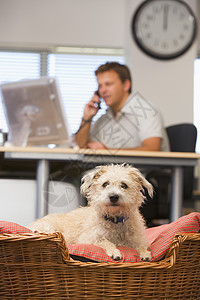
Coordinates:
122 71
114 84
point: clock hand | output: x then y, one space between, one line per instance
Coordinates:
165 17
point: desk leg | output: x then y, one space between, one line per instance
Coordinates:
177 193
42 188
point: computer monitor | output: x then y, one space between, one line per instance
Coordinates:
34 113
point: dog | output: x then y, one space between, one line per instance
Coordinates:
112 218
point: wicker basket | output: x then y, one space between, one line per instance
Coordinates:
38 266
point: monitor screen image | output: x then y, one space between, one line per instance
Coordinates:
34 113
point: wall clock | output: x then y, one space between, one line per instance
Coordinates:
164 29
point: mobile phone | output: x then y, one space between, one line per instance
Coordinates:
98 104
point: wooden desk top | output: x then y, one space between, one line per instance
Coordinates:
105 152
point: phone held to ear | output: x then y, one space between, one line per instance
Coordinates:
98 104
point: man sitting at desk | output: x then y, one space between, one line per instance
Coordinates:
130 122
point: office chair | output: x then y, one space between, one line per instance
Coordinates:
182 138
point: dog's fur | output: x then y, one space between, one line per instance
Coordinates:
113 191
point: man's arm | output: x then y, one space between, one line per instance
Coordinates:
83 133
150 144
90 111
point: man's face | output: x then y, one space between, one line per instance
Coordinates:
111 89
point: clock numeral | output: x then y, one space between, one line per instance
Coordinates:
155 9
148 35
181 37
175 43
150 17
175 10
182 16
165 45
145 25
156 43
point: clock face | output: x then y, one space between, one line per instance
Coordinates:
164 29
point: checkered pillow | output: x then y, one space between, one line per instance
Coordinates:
159 239
10 227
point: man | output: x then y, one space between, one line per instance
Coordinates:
130 121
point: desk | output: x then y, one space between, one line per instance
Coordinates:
173 160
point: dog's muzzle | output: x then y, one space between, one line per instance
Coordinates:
114 199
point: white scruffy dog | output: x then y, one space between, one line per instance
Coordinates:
112 218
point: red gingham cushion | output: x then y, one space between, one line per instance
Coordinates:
159 238
97 254
10 227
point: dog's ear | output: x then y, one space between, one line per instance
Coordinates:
146 186
86 181
90 178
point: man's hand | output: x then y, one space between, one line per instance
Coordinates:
95 145
91 108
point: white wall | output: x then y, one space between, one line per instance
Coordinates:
63 22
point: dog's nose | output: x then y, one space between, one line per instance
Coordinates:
114 198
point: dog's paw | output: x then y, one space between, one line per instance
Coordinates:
145 255
41 227
115 254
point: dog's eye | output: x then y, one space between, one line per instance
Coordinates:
105 184
124 185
